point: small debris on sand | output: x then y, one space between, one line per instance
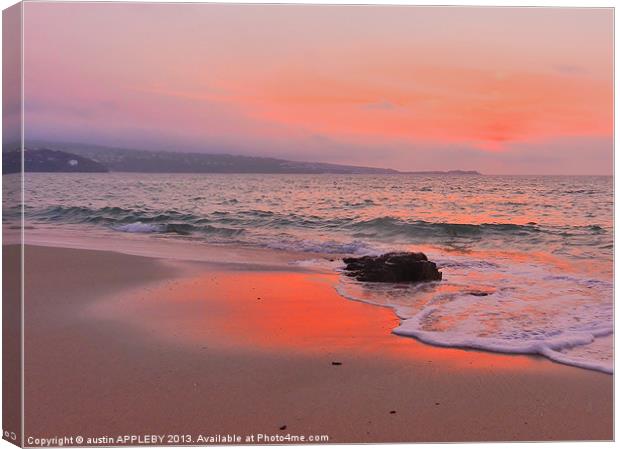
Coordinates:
477 293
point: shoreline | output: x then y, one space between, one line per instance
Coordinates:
94 238
240 257
195 337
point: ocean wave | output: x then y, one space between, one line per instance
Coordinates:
177 228
526 309
140 227
381 227
547 344
140 221
391 226
419 231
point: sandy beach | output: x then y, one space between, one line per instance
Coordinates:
120 344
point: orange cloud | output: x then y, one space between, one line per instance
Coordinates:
445 104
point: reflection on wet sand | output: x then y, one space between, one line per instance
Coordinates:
281 311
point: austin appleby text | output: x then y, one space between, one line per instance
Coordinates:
140 439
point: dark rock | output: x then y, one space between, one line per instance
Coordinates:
392 267
336 363
282 427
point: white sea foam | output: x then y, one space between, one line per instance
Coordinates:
141 228
356 247
321 264
523 309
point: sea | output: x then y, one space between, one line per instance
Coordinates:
527 261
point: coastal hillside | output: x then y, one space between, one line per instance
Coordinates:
46 160
144 161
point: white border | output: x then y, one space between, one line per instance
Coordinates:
499 3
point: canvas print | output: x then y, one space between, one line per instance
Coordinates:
306 224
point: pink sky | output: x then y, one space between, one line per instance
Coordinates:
501 90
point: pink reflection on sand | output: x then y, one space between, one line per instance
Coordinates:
292 313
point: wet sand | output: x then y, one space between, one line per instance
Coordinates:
120 344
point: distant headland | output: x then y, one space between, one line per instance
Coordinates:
56 157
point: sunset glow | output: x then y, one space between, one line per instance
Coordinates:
500 90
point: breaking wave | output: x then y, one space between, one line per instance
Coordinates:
502 305
225 223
